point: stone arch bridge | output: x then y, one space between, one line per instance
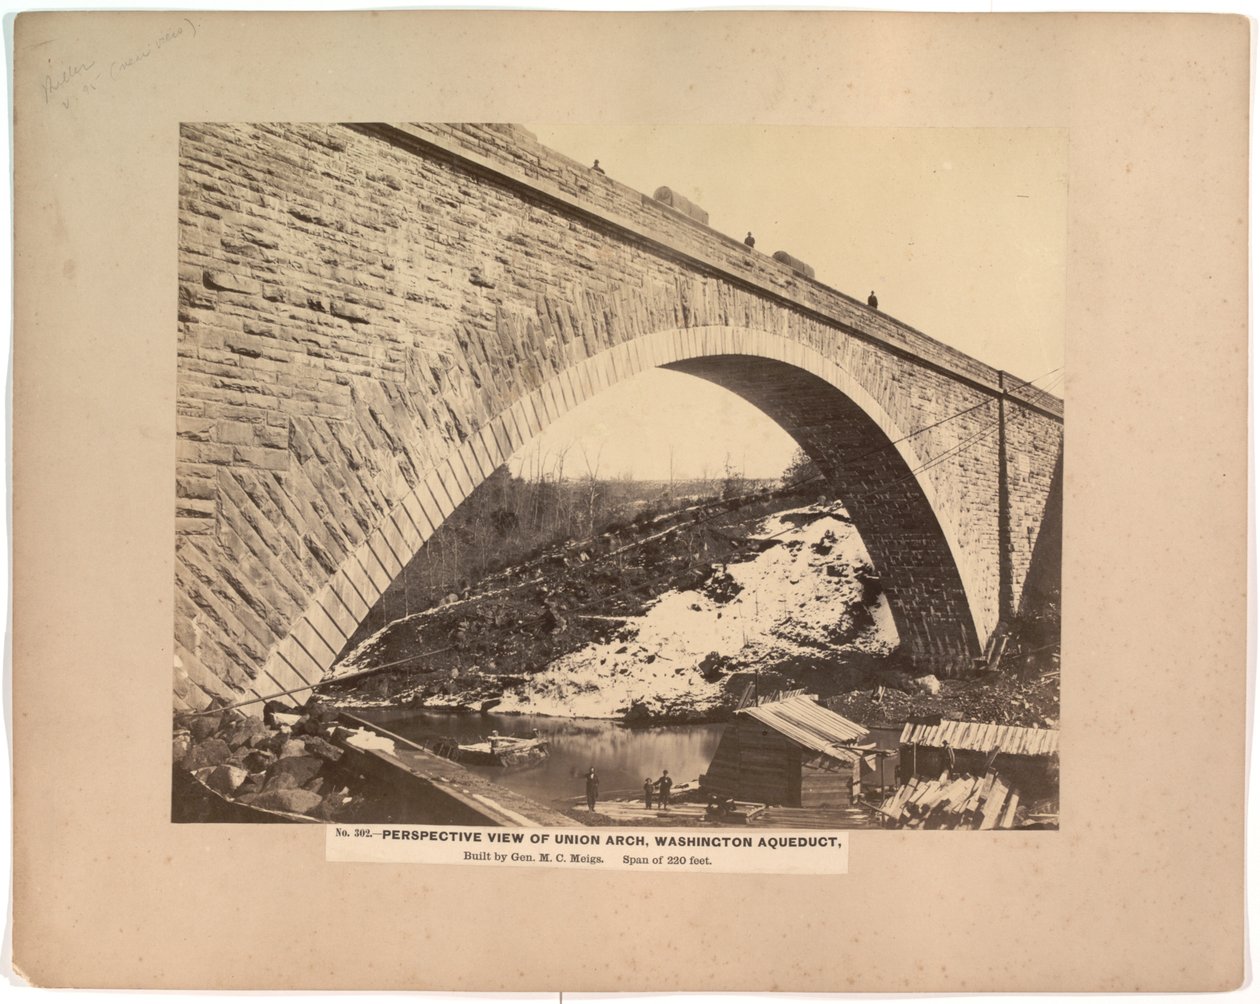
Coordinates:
372 318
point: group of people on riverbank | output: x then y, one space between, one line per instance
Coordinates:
658 790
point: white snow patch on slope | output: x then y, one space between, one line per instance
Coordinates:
789 606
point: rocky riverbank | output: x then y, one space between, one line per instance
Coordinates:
232 764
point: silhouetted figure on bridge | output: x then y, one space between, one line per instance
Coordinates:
873 300
596 168
750 240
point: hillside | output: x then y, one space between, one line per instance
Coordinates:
675 618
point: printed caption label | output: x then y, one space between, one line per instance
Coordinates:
777 852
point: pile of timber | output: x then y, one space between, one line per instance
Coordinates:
963 803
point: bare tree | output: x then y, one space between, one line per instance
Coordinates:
592 481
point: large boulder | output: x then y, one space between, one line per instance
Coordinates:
928 685
713 666
291 748
287 800
247 732
334 804
225 778
274 743
322 748
271 707
210 753
254 760
251 786
318 713
320 785
181 743
292 771
204 726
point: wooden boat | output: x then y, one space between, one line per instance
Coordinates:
497 751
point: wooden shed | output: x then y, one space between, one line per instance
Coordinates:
791 752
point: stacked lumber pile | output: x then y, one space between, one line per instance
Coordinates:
967 802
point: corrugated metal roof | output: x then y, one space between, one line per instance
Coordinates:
809 724
982 737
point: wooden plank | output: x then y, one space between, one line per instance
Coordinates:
973 800
925 792
993 805
958 793
982 795
1008 819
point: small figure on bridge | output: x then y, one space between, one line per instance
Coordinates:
596 168
592 789
648 788
750 240
873 300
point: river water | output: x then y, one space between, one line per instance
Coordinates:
622 757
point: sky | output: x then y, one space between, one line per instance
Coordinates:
962 233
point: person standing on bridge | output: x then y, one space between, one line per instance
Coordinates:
596 168
592 789
663 786
750 240
873 301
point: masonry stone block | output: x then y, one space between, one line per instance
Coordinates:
328 607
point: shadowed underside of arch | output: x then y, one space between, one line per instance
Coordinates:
916 549
881 490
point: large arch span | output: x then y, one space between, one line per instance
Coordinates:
873 464
373 318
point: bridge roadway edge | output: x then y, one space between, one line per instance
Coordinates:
999 383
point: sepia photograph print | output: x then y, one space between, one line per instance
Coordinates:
686 476
607 478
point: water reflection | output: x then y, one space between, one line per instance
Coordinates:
622 757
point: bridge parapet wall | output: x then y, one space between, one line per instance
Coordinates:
516 155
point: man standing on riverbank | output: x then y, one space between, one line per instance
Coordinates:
663 786
592 789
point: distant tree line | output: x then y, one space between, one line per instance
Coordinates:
509 519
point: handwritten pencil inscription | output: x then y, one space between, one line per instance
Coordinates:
70 73
73 82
